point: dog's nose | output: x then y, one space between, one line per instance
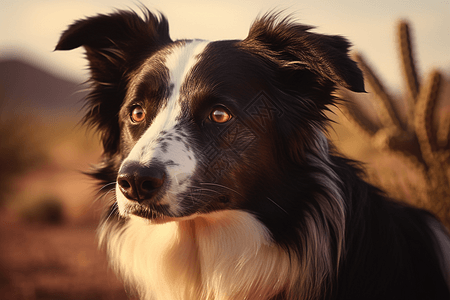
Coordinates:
138 182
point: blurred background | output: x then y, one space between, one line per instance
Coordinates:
49 210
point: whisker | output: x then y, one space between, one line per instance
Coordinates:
191 194
111 190
278 205
112 212
103 195
106 185
223 186
199 189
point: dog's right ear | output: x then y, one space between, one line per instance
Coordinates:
114 41
115 44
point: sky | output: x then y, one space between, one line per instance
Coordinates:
30 29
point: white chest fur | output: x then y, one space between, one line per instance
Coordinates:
224 255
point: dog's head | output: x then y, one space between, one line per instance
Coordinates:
191 126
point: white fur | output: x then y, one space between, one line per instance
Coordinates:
222 255
318 257
183 161
442 247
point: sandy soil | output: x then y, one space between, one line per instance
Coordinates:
39 261
53 262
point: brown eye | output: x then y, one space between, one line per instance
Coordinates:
220 115
138 114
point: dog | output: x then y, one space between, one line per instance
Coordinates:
226 186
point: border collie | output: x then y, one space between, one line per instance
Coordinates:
226 186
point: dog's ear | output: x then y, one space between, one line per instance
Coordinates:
115 45
114 41
294 46
306 69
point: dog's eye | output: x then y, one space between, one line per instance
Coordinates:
137 114
220 115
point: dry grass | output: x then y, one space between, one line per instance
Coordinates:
54 262
410 133
48 248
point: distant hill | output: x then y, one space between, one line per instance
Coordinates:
25 88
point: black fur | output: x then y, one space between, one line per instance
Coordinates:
379 249
116 45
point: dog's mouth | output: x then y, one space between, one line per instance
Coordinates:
157 214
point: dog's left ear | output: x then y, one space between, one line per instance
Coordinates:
293 46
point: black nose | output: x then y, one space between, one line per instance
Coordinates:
139 183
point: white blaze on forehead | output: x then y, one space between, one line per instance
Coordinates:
182 59
179 63
162 142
